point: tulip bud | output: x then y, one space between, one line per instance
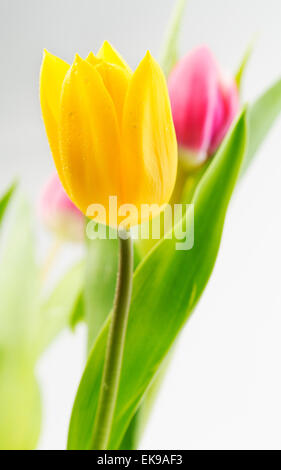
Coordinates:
58 213
111 133
204 102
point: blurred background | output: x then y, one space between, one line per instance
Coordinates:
223 388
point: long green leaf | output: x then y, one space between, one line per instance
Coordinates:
20 404
101 275
77 314
244 62
262 115
169 55
5 199
57 311
167 286
27 325
138 422
19 283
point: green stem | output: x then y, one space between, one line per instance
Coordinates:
115 345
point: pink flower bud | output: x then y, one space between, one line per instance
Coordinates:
204 102
58 212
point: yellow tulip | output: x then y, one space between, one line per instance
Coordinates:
110 131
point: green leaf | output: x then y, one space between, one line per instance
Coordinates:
131 437
262 115
4 201
167 286
19 283
20 405
77 314
59 309
27 325
244 62
101 275
139 420
169 55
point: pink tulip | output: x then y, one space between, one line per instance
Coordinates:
204 103
58 212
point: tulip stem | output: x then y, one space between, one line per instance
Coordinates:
115 345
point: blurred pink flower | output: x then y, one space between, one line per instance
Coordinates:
204 103
58 213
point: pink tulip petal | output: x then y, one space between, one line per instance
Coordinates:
193 93
58 212
226 109
203 105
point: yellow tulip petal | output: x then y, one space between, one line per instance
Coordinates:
53 71
93 60
111 132
116 80
52 75
109 54
89 137
149 148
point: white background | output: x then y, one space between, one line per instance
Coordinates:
223 388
